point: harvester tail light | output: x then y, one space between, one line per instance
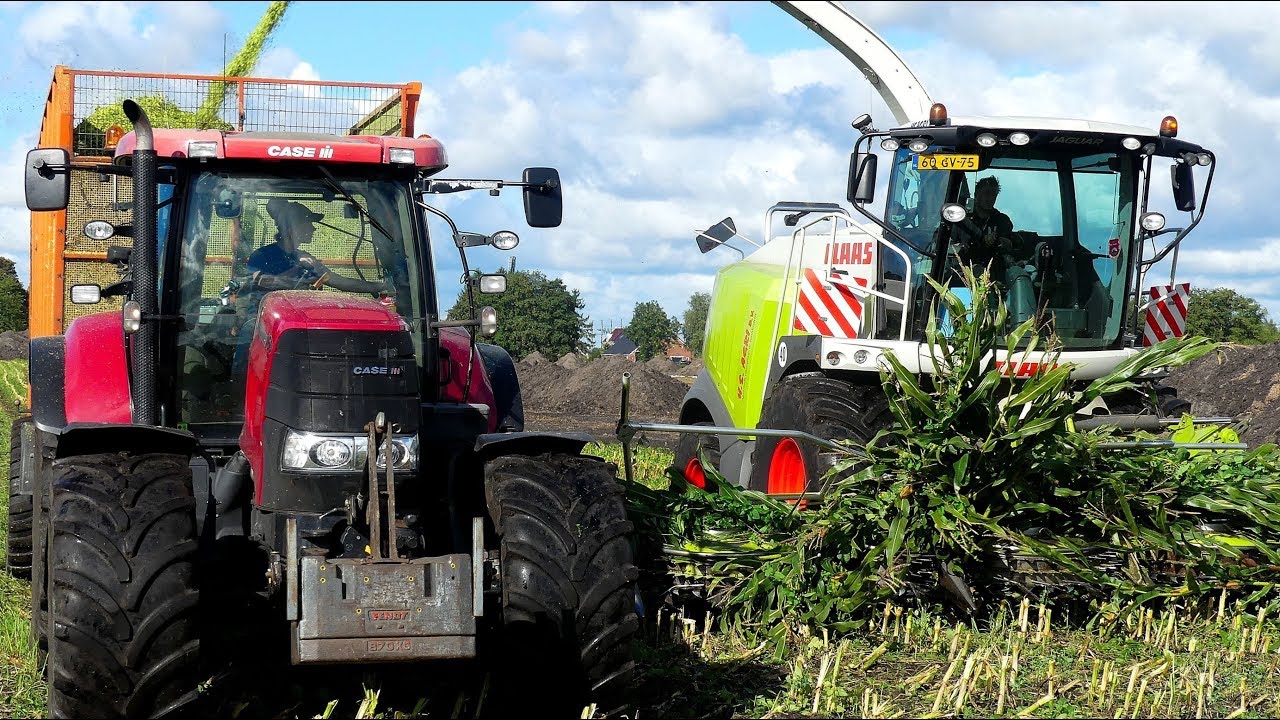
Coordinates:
1169 127
112 137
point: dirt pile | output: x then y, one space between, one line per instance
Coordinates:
14 345
1241 380
571 361
595 388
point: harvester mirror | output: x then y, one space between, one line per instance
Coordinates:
86 294
228 203
716 235
48 179
543 197
493 284
1184 187
862 177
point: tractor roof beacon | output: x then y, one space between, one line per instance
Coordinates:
798 326
277 429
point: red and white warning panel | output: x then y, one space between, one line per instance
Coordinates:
826 303
1166 313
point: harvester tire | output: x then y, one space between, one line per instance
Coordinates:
689 452
123 631
17 559
1139 402
826 407
568 579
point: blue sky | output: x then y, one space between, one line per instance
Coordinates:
665 117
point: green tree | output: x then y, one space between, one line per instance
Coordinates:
13 298
535 313
695 321
651 329
1224 315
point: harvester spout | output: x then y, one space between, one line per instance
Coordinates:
144 263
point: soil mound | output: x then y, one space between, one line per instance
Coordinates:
14 345
596 389
1239 380
535 358
571 361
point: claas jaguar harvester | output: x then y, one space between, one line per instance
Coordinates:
277 442
799 326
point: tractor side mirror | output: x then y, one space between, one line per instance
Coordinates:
48 179
1184 187
543 197
716 235
862 177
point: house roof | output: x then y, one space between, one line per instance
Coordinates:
621 346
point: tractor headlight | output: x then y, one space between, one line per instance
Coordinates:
339 453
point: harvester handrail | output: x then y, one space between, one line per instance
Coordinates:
236 79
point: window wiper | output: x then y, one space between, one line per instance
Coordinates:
332 182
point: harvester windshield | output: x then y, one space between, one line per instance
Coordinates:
249 233
1053 225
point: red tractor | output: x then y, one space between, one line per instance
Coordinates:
281 441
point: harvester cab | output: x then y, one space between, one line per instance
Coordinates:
1069 217
280 430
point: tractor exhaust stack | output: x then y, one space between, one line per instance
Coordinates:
144 266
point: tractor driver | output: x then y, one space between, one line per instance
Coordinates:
985 238
284 265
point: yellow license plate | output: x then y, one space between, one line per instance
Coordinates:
947 162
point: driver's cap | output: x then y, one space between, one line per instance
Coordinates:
286 212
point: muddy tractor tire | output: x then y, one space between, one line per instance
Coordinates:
689 452
568 579
123 632
17 558
823 406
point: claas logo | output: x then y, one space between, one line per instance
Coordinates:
1023 370
855 253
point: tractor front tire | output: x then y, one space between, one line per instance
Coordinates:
17 559
823 406
123 631
568 585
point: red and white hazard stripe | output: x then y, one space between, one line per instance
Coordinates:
827 309
1166 315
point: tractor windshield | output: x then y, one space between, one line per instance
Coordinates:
1053 226
249 233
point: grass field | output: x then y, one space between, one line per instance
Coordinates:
1025 662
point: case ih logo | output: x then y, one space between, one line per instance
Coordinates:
300 151
388 614
375 370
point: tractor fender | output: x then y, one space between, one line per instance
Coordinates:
454 344
530 443
506 387
96 386
46 375
99 438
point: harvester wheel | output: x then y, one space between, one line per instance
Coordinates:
123 636
568 585
689 452
823 406
1167 403
17 558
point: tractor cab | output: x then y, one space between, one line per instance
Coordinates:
1060 212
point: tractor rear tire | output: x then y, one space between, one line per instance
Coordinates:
123 632
17 559
689 452
568 585
826 407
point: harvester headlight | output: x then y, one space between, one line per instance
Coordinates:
834 357
918 145
986 140
1019 138
954 212
402 156
1131 143
488 321
861 357
890 144
202 148
1204 159
99 230
1152 222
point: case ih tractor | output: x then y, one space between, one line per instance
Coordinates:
798 327
278 442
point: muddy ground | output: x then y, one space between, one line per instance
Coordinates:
573 393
